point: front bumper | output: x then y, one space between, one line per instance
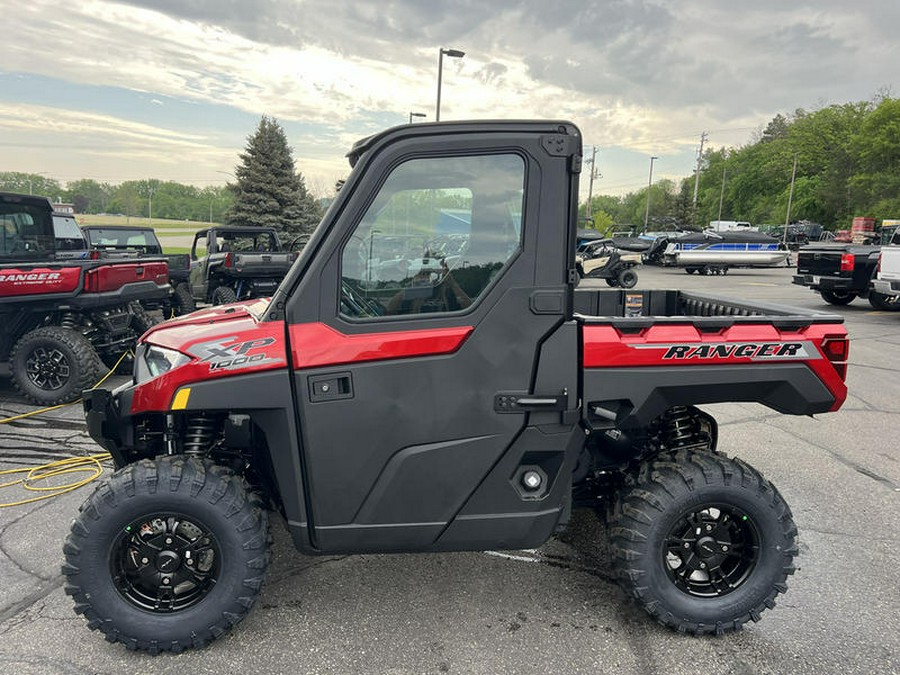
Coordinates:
105 422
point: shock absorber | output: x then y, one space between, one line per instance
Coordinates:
68 320
199 433
679 428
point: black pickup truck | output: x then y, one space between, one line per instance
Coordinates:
840 273
135 241
467 401
237 263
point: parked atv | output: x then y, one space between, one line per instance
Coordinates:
237 263
602 260
64 321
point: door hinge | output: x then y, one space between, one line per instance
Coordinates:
572 276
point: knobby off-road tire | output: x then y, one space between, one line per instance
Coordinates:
838 297
886 303
224 295
182 300
53 365
702 542
627 278
167 554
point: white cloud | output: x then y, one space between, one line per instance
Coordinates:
633 74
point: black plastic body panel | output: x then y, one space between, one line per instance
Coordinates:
642 394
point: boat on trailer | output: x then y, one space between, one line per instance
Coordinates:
715 252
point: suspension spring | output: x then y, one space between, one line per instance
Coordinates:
679 428
199 434
68 320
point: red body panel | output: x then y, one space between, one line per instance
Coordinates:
111 277
683 345
237 345
315 344
38 281
228 340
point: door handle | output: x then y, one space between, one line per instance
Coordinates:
330 387
517 402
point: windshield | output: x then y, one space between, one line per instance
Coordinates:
123 238
68 234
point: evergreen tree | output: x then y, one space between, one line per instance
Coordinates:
269 192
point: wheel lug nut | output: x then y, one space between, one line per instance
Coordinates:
687 544
702 566
724 548
709 528
166 581
168 540
145 560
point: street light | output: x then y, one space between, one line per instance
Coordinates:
412 114
453 53
31 182
649 183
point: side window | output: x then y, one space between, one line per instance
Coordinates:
435 236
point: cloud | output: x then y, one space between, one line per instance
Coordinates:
641 75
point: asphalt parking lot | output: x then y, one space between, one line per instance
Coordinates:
553 610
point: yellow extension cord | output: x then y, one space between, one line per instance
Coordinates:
70 465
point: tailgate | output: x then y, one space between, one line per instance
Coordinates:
821 263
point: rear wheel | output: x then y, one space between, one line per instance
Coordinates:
612 282
887 303
167 554
702 542
224 295
627 278
53 365
838 297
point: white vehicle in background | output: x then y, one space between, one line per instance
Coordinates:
887 276
732 226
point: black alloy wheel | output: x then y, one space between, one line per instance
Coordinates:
47 368
711 551
165 562
167 554
53 365
702 542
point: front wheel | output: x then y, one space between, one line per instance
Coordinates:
167 554
53 365
702 542
838 297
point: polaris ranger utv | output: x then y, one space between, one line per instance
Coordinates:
461 405
64 321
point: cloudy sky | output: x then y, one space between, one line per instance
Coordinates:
171 89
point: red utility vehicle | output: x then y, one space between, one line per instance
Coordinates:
445 403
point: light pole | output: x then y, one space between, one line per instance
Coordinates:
594 174
31 182
649 184
414 114
787 218
453 53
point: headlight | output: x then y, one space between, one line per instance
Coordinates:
157 360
